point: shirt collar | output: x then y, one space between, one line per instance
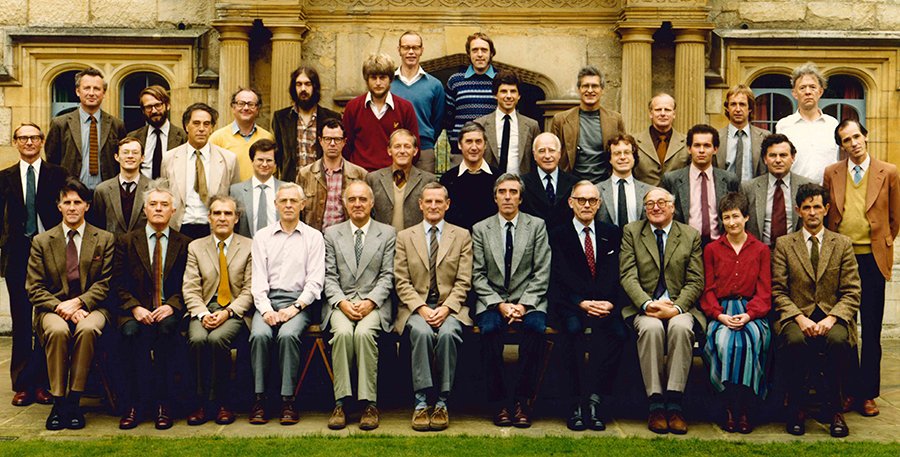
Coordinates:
666 229
503 221
148 229
695 172
628 180
227 241
204 151
498 116
254 181
786 179
122 180
554 175
236 130
420 73
807 235
83 115
579 227
427 227
864 165
471 72
279 228
163 128
23 166
79 229
364 228
732 130
484 167
388 100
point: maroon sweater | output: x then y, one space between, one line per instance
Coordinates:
368 136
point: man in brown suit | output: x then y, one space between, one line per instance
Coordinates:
661 147
398 186
816 289
865 196
68 282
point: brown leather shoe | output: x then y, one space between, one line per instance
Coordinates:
839 428
337 420
369 420
22 398
677 425
225 416
421 421
163 418
657 422
440 418
847 404
198 417
502 418
869 408
521 419
42 396
729 424
743 424
258 413
129 420
289 415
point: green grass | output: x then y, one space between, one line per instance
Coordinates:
443 446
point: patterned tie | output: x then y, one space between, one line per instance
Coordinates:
72 275
94 145
551 193
262 209
223 295
357 245
432 266
157 155
622 210
507 263
31 226
589 252
504 144
200 178
661 280
399 178
704 208
779 214
814 254
661 150
157 266
857 174
738 165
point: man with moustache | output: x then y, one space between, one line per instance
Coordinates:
508 134
547 187
237 137
621 194
662 148
472 182
397 185
741 141
470 93
118 205
256 196
158 135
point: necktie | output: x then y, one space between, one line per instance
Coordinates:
779 214
622 210
661 280
507 264
551 193
262 209
399 178
814 254
31 227
504 144
737 166
223 296
857 174
704 207
157 265
200 179
72 275
94 147
661 150
357 245
589 252
432 266
157 154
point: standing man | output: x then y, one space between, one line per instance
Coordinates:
149 270
243 132
470 93
371 119
68 282
118 205
162 134
324 180
508 134
816 291
621 195
257 194
662 274
85 140
359 278
810 129
865 193
547 187
662 146
510 276
425 92
471 183
740 152
432 307
28 193
697 193
198 170
397 185
297 128
288 273
585 130
771 195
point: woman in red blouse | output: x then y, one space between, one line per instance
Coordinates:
737 299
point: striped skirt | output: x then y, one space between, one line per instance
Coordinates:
738 357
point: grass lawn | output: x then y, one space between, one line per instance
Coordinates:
377 446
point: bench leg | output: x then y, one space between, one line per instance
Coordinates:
548 350
318 344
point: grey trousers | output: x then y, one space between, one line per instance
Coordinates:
665 351
443 343
355 340
287 338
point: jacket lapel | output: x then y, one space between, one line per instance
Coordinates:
839 182
446 241
388 184
216 170
520 241
607 194
180 163
105 127
684 204
246 198
490 138
759 193
414 177
58 255
117 204
497 242
649 240
142 185
211 249
368 248
825 254
143 251
75 129
672 242
88 245
802 253
419 245
876 180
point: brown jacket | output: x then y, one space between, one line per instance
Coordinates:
312 179
565 126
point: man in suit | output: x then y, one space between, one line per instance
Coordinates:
424 91
237 137
865 196
118 205
359 278
324 180
585 293
149 271
28 192
510 276
68 283
288 276
256 196
770 196
741 141
621 195
196 171
585 130
508 134
662 148
816 290
397 186
162 134
547 186
84 141
697 193
662 274
471 183
433 275
306 116
217 296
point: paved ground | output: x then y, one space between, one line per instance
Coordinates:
28 422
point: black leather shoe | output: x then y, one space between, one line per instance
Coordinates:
576 421
55 420
796 423
839 428
74 418
594 422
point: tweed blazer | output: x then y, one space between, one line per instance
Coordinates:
177 136
63 143
106 208
312 179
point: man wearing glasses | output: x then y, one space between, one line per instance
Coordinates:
158 135
243 132
662 274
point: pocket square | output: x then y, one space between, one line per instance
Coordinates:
610 252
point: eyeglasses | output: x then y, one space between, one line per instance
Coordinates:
243 104
32 138
154 107
661 203
593 201
332 139
410 48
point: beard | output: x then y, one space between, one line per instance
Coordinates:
307 103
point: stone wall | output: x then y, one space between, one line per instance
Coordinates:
807 14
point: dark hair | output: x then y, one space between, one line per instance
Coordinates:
626 138
701 129
332 123
509 177
480 36
226 198
74 185
186 117
157 92
504 77
734 200
130 139
810 190
313 76
263 145
469 127
843 125
772 140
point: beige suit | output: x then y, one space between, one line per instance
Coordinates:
565 126
222 173
648 169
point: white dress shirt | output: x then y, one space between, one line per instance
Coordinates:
814 141
195 210
512 159
388 103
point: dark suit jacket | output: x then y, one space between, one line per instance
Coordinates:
284 128
177 136
133 276
678 183
757 135
566 125
382 184
535 200
63 143
528 129
756 190
106 208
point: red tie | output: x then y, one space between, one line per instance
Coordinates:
589 252
704 207
156 266
779 215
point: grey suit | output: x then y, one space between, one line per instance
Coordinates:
528 129
609 191
756 137
756 191
243 193
106 207
679 184
382 184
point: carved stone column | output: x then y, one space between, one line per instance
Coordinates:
636 76
234 59
286 56
690 68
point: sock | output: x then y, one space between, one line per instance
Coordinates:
339 402
657 402
74 399
442 400
260 397
287 398
673 400
595 399
421 400
371 403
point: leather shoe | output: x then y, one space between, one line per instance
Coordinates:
198 417
796 423
729 424
338 419
839 428
576 421
224 416
595 422
657 422
258 413
502 418
74 418
22 399
129 420
677 424
289 415
521 419
369 420
42 396
743 425
440 418
421 421
869 408
847 404
55 420
163 418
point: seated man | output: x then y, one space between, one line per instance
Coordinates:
68 283
432 308
816 290
511 273
217 295
288 273
359 276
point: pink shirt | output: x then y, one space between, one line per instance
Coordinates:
696 216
